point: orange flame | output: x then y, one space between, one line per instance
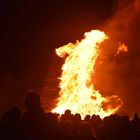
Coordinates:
77 90
122 48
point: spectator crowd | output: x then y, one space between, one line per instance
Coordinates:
35 124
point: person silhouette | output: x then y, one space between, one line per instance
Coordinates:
10 125
34 123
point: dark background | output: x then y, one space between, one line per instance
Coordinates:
30 32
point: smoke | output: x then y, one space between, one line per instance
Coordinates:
11 93
120 25
119 74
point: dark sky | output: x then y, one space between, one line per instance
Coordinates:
31 30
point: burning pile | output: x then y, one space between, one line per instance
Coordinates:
77 91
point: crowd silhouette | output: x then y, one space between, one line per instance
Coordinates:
35 124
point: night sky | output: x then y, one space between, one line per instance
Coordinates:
31 30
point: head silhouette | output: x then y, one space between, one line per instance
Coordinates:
32 101
68 112
12 116
135 116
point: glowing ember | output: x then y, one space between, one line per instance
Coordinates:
77 90
122 48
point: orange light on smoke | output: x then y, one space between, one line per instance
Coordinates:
77 91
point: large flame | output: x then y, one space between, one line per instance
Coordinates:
76 83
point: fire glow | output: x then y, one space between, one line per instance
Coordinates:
77 92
